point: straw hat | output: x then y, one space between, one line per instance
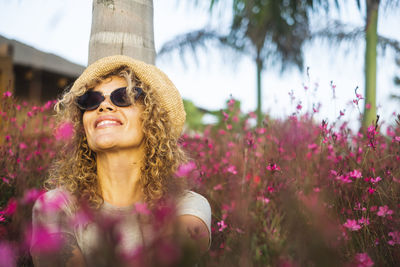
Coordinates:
165 91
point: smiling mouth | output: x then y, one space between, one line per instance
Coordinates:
108 123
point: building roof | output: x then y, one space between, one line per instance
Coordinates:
31 57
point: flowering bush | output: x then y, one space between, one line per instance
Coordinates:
293 192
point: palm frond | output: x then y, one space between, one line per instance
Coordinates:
195 40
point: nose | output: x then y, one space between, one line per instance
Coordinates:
106 105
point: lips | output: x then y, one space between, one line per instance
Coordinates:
106 121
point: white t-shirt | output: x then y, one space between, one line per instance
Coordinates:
55 211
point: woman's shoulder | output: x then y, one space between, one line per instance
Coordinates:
58 199
189 195
193 203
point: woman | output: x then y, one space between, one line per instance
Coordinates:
119 166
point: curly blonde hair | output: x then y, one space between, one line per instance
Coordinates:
75 168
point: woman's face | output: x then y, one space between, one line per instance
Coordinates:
112 128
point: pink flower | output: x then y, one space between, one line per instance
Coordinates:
221 132
273 167
395 238
226 116
383 211
313 146
344 179
264 200
44 240
11 207
221 225
364 221
377 179
397 138
65 131
232 169
363 260
185 169
31 195
7 94
355 174
7 255
218 187
371 190
22 146
261 130
141 208
352 225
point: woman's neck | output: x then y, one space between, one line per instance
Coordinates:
119 173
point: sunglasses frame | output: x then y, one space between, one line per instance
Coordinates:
139 92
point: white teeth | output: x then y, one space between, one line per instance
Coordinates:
106 122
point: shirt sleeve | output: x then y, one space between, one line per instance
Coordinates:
51 214
195 204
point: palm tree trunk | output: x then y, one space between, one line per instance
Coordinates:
259 64
371 38
123 27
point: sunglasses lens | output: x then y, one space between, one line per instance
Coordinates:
120 98
90 100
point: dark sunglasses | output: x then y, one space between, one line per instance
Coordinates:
91 100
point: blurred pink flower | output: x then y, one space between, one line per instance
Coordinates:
64 131
273 167
352 225
11 207
313 146
261 130
363 260
226 116
218 187
43 240
53 203
141 208
355 174
232 169
221 225
31 195
7 94
395 238
344 179
185 169
383 211
22 145
364 221
371 190
264 200
221 132
377 179
7 255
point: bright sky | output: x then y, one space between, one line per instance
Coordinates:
63 28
